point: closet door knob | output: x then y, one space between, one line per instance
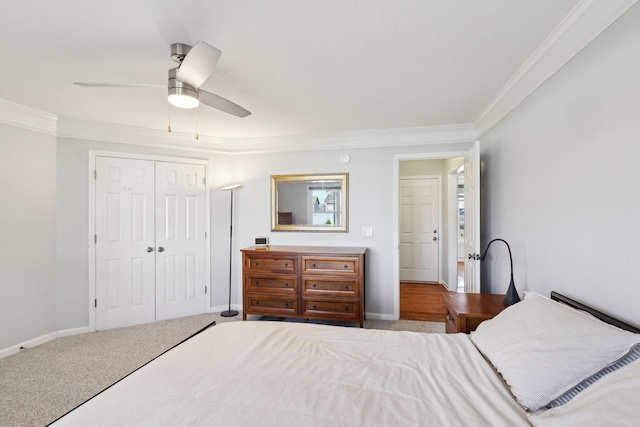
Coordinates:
149 249
160 249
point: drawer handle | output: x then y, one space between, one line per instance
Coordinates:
315 286
346 309
450 319
313 265
346 288
286 264
255 263
257 302
257 284
286 304
313 307
346 266
286 284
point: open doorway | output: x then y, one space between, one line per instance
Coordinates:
428 233
448 264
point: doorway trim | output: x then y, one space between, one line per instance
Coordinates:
92 219
397 158
452 176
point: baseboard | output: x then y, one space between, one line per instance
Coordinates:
221 308
379 316
28 344
76 331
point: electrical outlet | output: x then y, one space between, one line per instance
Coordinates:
367 231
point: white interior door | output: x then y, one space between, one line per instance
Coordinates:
419 229
472 219
180 240
125 269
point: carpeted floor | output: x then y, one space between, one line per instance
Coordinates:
42 383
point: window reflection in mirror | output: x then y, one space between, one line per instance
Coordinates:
309 202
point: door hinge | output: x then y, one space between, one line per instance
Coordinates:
95 238
95 174
95 303
205 235
204 180
205 289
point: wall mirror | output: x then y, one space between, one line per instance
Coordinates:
309 202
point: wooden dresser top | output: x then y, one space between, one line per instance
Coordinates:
314 250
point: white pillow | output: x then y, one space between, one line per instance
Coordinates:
612 400
543 348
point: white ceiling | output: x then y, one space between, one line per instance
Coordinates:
312 67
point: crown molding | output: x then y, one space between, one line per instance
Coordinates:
587 20
358 139
17 115
105 132
120 134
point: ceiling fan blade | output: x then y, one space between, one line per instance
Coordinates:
222 104
116 85
198 65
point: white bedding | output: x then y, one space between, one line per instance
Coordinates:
291 374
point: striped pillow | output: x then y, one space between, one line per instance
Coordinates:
611 401
634 354
543 348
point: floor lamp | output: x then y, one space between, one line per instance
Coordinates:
231 189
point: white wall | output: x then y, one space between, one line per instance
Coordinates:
370 204
560 179
28 235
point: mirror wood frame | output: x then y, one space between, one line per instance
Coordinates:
343 178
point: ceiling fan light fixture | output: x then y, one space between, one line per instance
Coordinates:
183 98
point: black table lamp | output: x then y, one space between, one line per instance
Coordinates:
511 297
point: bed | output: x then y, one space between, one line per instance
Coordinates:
539 362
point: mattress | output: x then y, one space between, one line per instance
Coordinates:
290 374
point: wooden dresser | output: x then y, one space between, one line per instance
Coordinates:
307 282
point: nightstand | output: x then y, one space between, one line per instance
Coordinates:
466 311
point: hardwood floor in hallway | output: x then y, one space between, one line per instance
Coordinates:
422 301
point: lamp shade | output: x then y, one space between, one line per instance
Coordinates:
182 98
181 95
232 187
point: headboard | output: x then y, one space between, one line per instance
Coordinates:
598 314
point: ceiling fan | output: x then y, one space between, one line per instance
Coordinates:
195 65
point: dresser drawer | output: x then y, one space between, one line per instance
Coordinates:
277 305
271 283
275 264
334 266
338 310
330 286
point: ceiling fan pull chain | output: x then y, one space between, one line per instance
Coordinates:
169 115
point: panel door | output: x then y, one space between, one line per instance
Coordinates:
180 240
472 219
419 229
125 269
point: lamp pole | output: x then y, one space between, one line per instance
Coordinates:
231 189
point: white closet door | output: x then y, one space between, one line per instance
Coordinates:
125 233
180 240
